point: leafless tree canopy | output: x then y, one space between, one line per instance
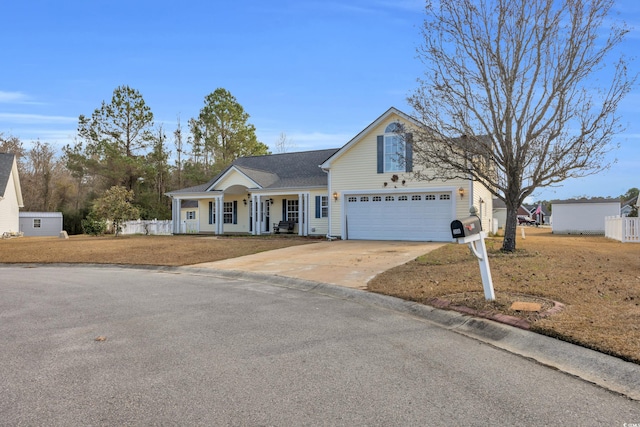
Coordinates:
509 96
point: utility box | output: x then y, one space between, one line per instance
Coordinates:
466 227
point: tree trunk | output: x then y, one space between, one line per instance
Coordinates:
510 229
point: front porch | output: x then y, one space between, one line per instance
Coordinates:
238 211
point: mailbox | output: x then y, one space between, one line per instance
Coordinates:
469 226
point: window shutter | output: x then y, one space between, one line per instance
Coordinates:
380 153
235 211
211 214
284 209
318 207
408 162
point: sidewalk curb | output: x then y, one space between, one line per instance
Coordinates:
606 371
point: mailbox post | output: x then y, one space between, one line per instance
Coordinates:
469 231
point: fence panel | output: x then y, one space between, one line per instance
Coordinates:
631 230
623 229
613 227
147 227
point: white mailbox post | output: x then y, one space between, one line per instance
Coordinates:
469 231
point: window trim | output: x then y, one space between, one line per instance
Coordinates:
324 206
290 211
227 212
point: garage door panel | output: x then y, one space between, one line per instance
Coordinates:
419 216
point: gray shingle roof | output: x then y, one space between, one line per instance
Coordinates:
286 170
6 163
278 171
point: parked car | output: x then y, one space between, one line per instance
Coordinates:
526 220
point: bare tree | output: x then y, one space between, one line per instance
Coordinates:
283 144
12 145
506 100
39 178
177 137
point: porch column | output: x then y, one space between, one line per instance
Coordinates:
219 200
307 213
175 215
260 214
301 221
255 214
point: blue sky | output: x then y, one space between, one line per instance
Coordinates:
320 71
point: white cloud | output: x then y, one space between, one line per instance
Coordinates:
13 97
35 118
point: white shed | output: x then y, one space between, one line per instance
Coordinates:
582 216
41 223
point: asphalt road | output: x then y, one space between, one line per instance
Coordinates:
183 348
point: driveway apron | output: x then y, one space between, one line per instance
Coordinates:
350 263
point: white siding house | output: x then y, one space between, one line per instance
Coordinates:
582 216
365 190
10 195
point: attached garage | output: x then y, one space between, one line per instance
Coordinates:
419 216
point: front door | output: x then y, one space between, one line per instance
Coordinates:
265 212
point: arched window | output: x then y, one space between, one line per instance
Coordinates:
394 148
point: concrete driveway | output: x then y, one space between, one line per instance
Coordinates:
350 263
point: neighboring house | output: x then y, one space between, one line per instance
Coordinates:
628 206
364 190
542 216
41 223
10 194
582 216
500 212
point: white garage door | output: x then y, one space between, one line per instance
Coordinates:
418 216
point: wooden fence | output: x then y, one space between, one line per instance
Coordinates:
623 229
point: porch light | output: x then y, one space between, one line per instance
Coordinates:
335 196
270 201
461 192
244 201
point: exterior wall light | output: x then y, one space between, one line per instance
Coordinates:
335 196
461 192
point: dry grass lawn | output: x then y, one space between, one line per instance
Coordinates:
597 279
139 250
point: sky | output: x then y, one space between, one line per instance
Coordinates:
318 71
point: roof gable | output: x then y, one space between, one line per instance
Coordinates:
8 170
285 170
231 176
356 139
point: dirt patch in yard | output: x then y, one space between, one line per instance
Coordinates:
595 278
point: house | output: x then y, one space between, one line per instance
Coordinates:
540 217
629 207
40 223
364 190
10 194
500 213
582 216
